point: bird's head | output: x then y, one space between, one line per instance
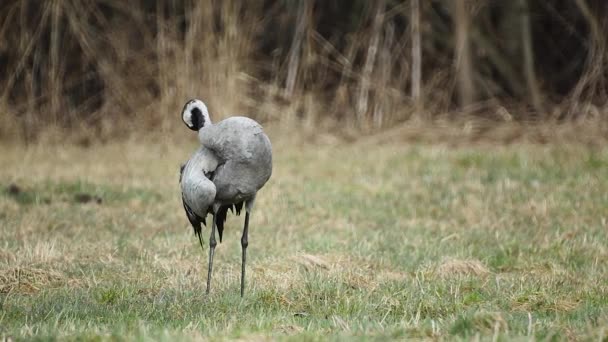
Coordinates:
195 114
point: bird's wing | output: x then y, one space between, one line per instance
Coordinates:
194 219
206 160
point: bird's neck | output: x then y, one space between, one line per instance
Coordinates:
205 129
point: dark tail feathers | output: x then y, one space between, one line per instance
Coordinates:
222 213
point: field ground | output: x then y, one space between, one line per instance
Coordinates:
387 241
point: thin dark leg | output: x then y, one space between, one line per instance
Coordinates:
212 244
244 244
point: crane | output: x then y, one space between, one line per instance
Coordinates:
225 173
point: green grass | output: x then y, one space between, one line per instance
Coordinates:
346 241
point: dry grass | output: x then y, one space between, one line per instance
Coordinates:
455 267
391 241
131 67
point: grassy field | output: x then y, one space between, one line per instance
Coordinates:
390 241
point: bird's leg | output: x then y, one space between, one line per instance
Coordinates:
212 244
244 244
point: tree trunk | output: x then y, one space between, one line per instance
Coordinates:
54 82
416 58
304 10
385 65
528 57
591 83
464 69
368 67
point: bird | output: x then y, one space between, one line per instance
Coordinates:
233 162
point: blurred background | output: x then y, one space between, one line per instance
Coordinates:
104 69
439 169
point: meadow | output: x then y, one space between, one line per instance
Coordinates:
374 241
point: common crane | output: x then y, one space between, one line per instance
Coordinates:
233 162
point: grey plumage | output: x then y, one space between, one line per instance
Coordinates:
225 173
246 156
198 191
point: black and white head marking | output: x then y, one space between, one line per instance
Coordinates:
195 114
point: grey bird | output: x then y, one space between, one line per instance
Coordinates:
233 162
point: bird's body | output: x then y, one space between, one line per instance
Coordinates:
245 156
226 172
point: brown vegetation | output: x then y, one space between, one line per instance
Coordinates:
106 67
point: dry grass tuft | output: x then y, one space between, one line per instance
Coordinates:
291 329
458 267
492 321
542 302
29 280
480 130
311 262
390 275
